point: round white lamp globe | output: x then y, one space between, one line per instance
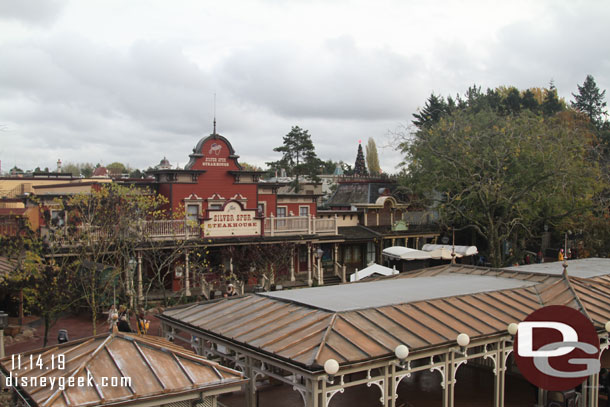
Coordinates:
607 326
513 328
331 367
463 340
401 352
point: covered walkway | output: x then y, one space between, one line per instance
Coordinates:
287 337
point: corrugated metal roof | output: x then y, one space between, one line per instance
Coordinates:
384 292
443 302
155 366
584 268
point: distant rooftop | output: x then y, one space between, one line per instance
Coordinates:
584 268
348 297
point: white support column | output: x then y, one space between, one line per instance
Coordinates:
250 388
448 380
272 225
387 386
335 259
500 374
391 386
592 390
540 398
320 271
187 271
140 282
292 278
313 393
309 281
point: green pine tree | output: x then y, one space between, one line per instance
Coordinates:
551 103
590 101
434 108
299 157
360 165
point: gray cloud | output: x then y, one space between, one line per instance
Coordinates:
338 80
32 12
72 96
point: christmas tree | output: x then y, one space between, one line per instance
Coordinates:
360 166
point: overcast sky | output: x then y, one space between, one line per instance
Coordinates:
134 80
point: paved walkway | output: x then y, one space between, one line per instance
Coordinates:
78 326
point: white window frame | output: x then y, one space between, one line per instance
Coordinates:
264 205
301 207
186 210
58 211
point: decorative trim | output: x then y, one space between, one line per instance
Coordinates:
440 369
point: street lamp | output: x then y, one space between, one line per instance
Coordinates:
3 326
331 367
463 340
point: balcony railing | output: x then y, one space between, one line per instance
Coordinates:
184 229
300 225
171 229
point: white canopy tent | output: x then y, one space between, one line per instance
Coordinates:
372 268
405 253
460 251
443 254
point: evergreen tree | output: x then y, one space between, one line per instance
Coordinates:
551 103
512 102
590 101
360 165
528 101
372 159
299 157
433 110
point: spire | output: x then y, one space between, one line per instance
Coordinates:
214 113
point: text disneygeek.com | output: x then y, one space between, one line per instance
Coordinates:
61 383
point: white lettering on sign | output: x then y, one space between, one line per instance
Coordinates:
215 162
232 221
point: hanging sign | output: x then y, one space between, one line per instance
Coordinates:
232 220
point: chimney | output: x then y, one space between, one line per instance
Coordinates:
283 173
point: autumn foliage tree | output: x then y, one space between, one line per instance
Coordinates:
102 235
47 282
503 175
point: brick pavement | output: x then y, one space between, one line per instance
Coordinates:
78 326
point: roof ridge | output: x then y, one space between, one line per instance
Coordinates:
325 337
82 365
566 278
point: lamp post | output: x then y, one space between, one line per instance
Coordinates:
3 325
132 269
